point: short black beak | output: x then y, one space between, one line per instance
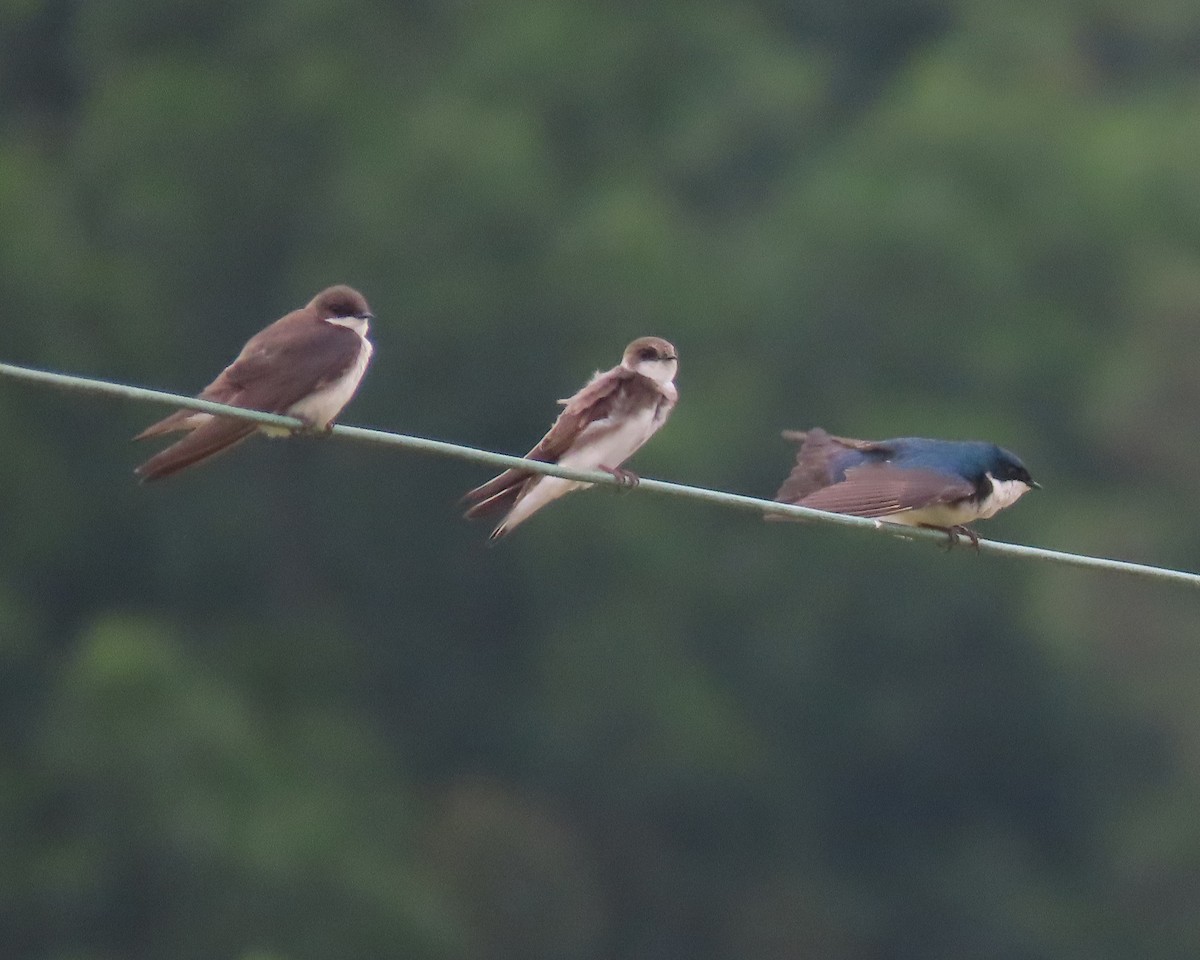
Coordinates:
364 316
1035 485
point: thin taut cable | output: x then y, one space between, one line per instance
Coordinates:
736 501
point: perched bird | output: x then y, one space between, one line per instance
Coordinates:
939 484
306 365
599 429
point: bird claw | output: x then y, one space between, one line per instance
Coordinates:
309 428
967 532
626 478
956 531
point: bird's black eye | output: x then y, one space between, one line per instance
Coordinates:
648 353
1013 472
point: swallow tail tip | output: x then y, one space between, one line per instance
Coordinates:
473 511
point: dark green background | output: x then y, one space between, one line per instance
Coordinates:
290 707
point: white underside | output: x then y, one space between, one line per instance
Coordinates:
1004 494
599 445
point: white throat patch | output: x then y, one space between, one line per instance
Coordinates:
1004 494
357 324
660 371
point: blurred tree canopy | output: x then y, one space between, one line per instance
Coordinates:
288 707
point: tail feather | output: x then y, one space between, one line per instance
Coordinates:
491 495
179 420
496 502
219 434
533 496
500 531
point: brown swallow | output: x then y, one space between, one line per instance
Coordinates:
599 429
307 365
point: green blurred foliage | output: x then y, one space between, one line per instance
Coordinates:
288 707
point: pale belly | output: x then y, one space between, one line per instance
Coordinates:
1004 494
941 515
608 446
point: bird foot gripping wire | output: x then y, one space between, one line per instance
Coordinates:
626 478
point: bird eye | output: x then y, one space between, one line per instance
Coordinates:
649 353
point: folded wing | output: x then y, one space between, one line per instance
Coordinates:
881 490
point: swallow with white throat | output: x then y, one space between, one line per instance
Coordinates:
306 365
938 484
599 429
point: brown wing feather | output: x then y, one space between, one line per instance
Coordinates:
816 460
816 434
278 366
220 390
812 469
213 437
593 402
274 372
880 490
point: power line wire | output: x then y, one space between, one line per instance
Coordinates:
737 501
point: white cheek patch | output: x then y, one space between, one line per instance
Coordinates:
1004 494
